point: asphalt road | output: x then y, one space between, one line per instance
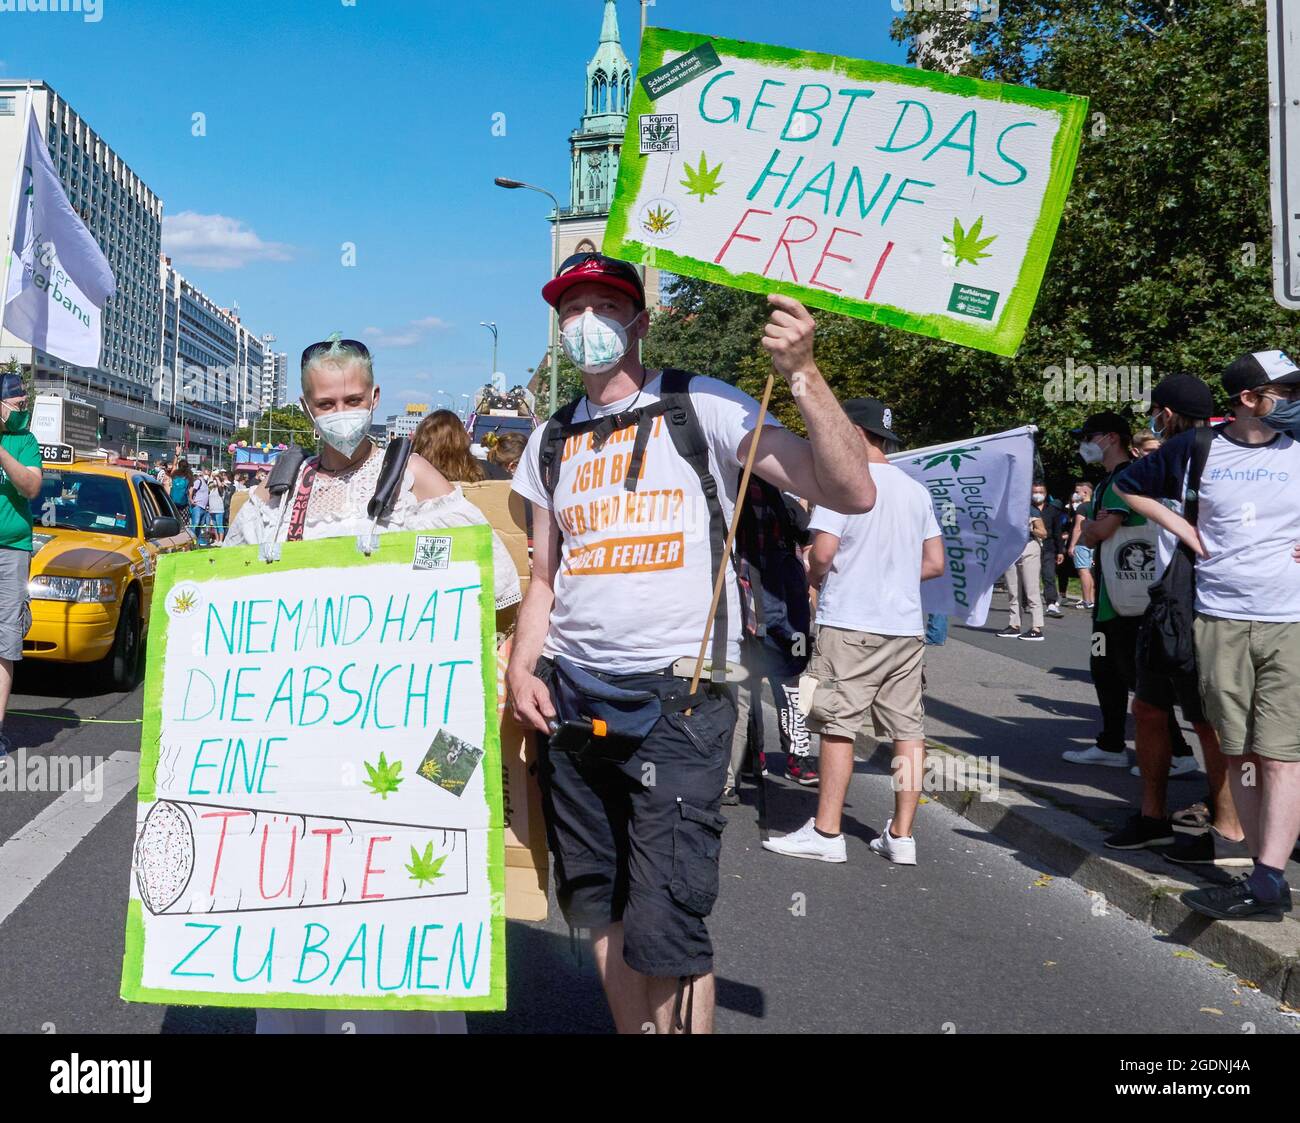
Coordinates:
977 938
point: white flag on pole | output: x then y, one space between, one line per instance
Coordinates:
981 493
56 277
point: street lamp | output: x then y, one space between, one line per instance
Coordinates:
552 362
492 327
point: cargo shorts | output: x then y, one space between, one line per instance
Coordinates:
15 608
853 674
640 841
1248 672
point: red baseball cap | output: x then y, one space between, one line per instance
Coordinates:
585 268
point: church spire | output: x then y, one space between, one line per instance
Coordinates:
609 26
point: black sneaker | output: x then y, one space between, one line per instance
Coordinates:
1140 832
1236 902
1034 635
1009 633
730 798
1209 848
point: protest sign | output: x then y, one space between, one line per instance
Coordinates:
319 818
919 200
981 494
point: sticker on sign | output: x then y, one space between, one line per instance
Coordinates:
1284 147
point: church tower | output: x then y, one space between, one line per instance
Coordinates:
594 148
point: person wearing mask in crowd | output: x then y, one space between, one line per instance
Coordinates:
868 656
1080 554
618 606
328 500
20 485
1179 403
1104 439
1052 548
441 439
1026 573
1247 627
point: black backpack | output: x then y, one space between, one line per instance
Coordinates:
688 439
1169 642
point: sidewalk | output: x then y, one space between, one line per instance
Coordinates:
1025 703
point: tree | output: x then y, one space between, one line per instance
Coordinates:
1162 258
287 424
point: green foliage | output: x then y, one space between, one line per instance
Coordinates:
1162 259
288 426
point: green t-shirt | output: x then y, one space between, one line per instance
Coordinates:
15 507
1108 500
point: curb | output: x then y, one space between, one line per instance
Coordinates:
1264 955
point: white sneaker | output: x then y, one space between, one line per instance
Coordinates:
1054 610
900 851
807 843
1094 755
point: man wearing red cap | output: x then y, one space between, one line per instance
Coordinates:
632 488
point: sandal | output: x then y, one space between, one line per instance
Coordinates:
1198 816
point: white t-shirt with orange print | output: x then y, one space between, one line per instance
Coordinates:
636 572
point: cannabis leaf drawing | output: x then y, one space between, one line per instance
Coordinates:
184 602
703 180
954 456
383 776
659 131
658 220
423 868
967 245
430 770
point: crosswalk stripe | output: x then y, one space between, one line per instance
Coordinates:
36 850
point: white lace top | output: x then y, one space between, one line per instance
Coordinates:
337 508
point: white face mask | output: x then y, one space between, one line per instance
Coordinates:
596 343
1039 498
1090 452
343 429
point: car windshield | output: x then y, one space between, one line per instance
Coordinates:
84 501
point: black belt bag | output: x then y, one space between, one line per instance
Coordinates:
601 720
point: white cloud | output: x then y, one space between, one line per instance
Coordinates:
215 241
407 336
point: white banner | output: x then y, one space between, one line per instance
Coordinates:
981 493
57 278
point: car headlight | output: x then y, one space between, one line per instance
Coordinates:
77 590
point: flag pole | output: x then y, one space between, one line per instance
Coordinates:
12 225
720 583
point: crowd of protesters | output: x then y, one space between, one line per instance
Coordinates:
834 542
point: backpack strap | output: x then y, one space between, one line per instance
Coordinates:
553 444
1205 435
692 446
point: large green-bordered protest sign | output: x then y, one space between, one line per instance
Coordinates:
924 201
319 818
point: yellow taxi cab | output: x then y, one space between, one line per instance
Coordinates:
97 531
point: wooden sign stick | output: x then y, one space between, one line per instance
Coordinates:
720 583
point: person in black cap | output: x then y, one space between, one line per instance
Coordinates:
20 483
1178 403
1247 627
867 659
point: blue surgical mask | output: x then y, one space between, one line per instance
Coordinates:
1157 430
1284 417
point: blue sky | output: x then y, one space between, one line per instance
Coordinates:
371 123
